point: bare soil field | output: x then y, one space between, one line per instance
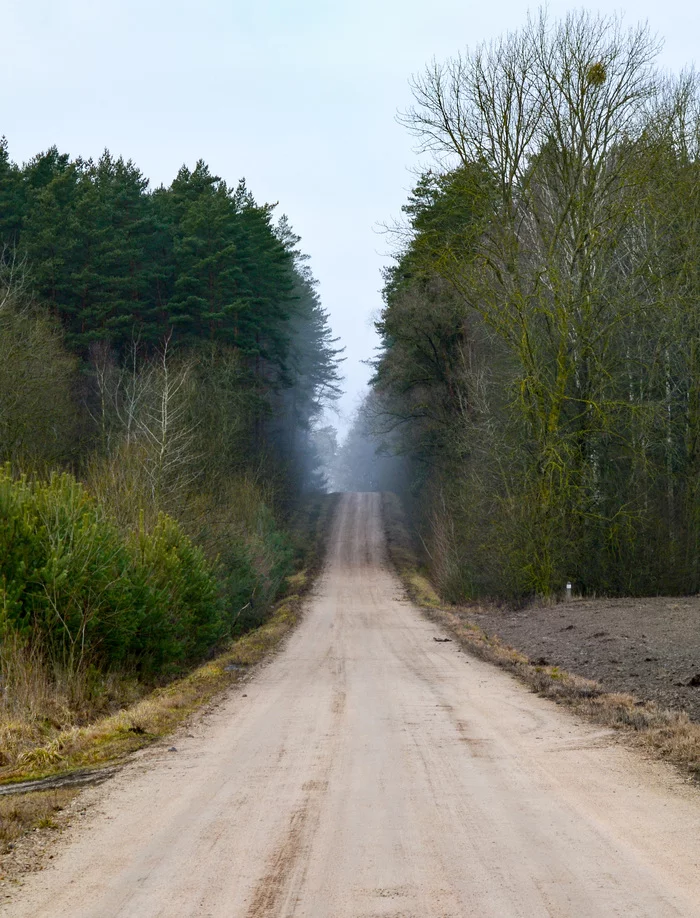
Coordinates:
649 648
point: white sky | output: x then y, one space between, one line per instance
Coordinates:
297 97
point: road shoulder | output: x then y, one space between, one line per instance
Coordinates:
667 734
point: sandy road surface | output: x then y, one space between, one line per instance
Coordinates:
372 771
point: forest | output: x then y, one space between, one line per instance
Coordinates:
164 357
539 376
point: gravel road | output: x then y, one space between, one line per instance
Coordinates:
371 769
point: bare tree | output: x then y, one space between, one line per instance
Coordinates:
557 115
149 437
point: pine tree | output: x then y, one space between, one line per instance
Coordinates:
126 231
50 233
11 199
208 276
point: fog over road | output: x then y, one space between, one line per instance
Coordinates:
369 770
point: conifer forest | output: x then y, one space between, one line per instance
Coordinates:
163 357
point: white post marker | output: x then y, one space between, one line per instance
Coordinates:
568 589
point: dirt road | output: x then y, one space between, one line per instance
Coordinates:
371 770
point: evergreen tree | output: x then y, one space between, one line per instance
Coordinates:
11 198
50 234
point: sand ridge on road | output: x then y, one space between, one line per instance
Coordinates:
375 771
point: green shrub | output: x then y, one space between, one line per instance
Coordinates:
83 597
183 617
76 588
252 556
19 548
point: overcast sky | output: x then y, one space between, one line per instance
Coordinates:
298 97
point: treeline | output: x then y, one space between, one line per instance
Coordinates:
540 368
164 356
198 264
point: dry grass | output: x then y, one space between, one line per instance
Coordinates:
37 704
112 738
39 738
668 735
46 728
21 813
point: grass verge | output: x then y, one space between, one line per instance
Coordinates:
111 739
668 735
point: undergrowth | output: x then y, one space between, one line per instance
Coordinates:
111 738
53 719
